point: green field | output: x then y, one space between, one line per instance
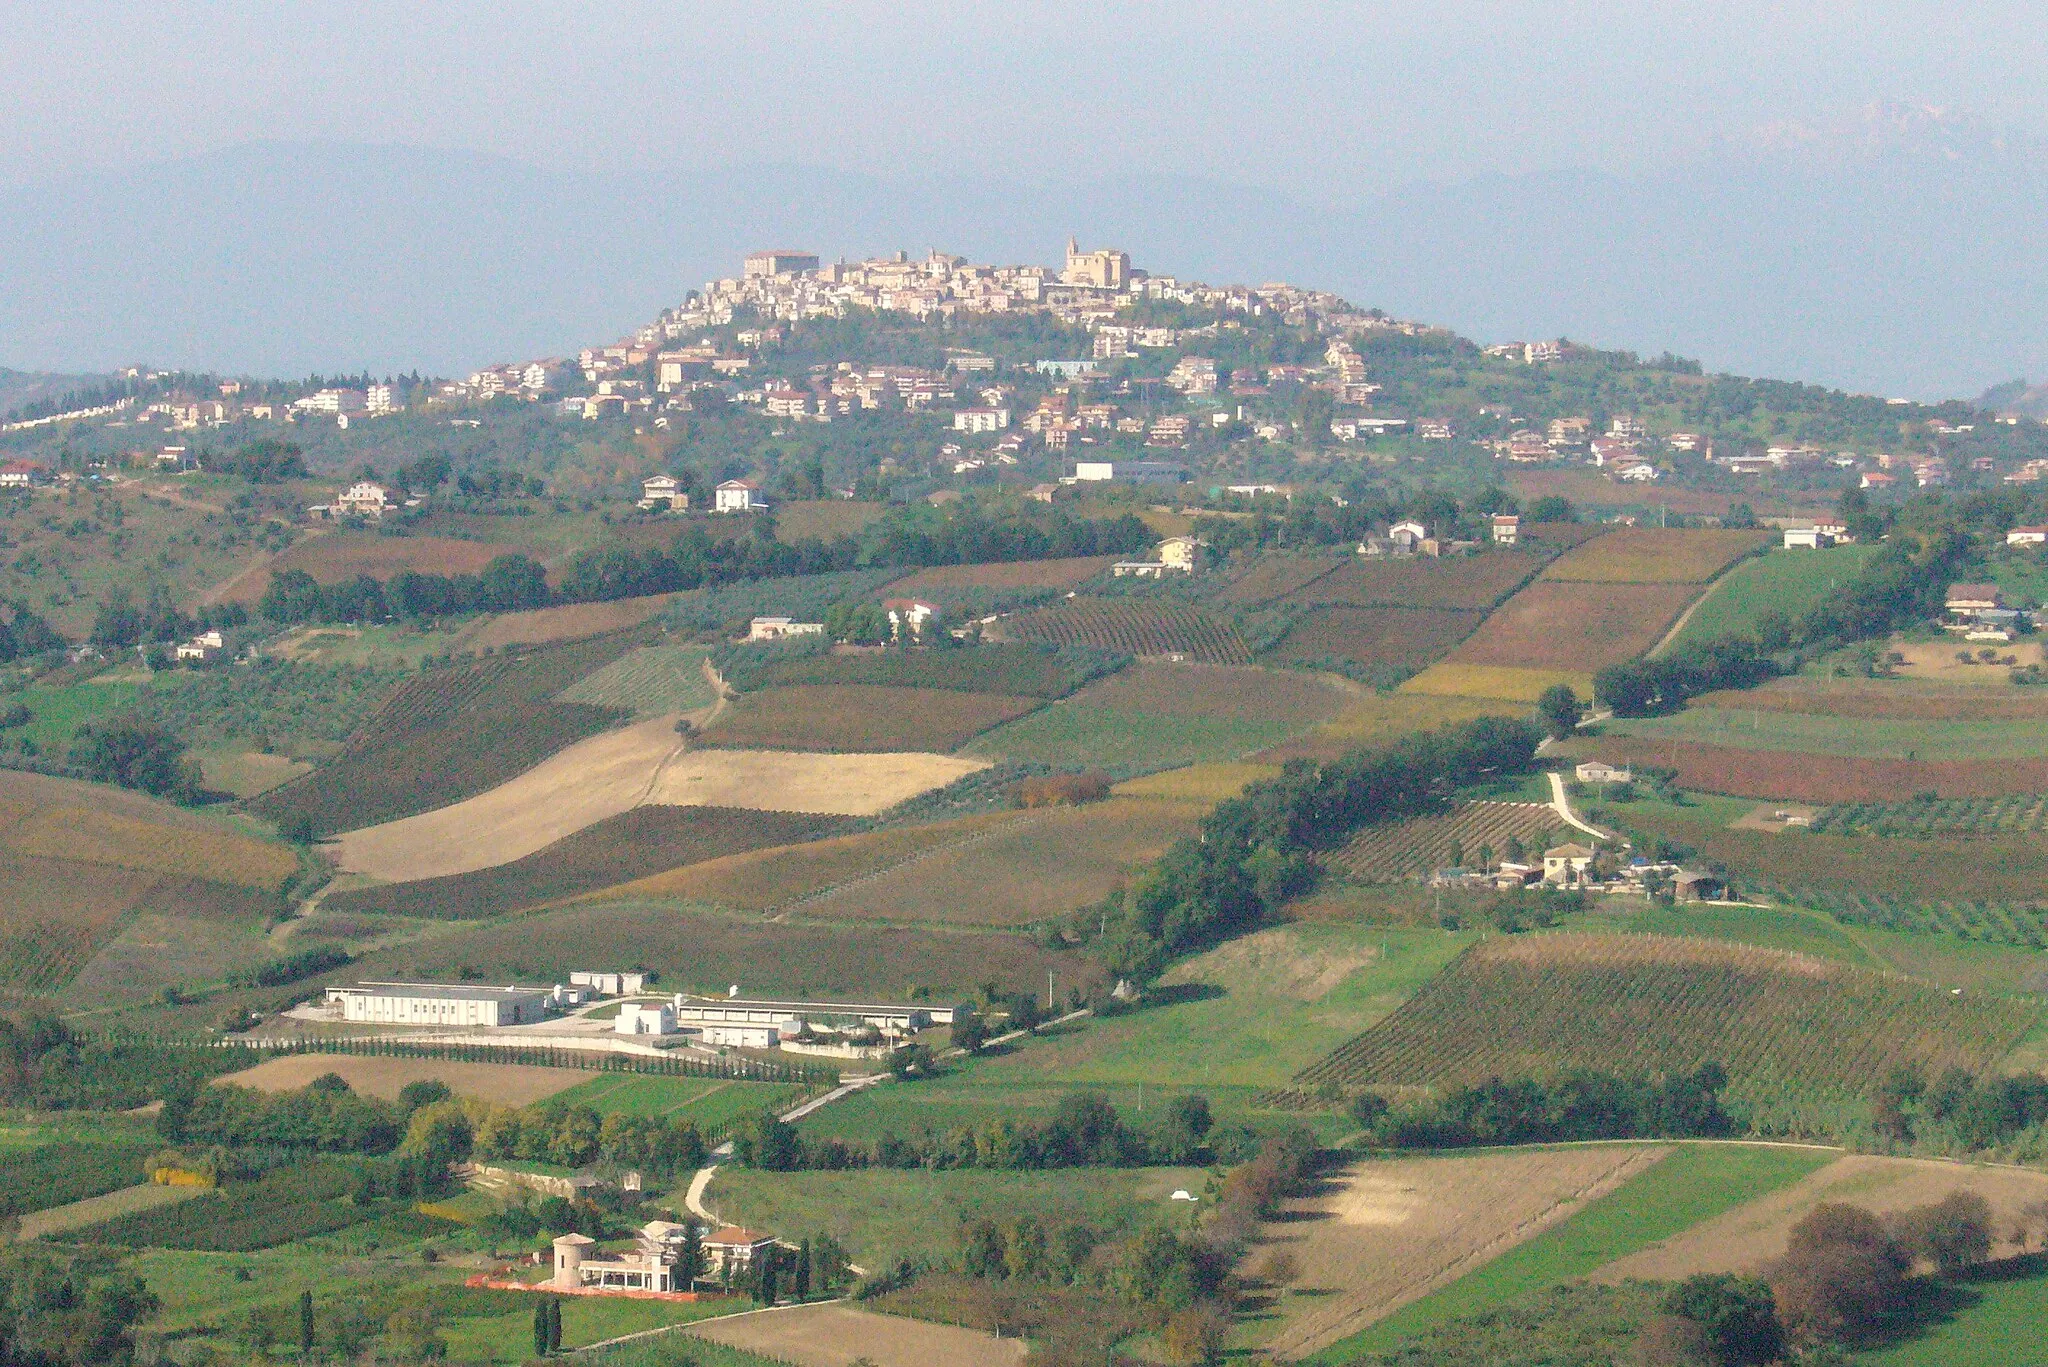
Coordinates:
1789 581
714 1103
1249 1014
648 682
1993 1315
882 1215
56 713
1696 1183
1070 734
1868 737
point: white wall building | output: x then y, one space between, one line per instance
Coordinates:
737 496
445 1004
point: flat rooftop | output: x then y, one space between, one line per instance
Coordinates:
450 991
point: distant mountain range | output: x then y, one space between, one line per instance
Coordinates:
1895 253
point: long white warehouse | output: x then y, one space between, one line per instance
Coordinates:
446 1004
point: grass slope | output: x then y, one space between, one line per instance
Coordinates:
1694 1183
1783 581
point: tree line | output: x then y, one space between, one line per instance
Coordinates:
695 559
1084 1131
1577 1105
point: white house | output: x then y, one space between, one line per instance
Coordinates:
1507 529
2026 536
1807 538
908 614
1642 472
663 491
1407 536
737 496
776 628
1566 864
635 1019
207 645
363 497
1593 771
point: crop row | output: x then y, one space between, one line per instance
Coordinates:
1384 853
1936 816
1137 628
1999 923
1785 1027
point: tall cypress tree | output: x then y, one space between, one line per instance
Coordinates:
305 1323
540 1329
768 1271
554 1325
802 1285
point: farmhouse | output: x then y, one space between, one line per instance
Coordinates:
733 1248
737 496
1593 771
1975 601
1688 886
907 614
1507 529
204 647
1407 537
1566 865
659 491
776 628
363 498
1180 554
2027 536
1808 538
381 1003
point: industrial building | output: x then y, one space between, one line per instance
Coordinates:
751 1024
445 1004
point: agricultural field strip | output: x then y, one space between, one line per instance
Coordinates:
94 1210
1655 1001
1855 737
1382 853
1643 555
1805 776
1136 628
979 837
1415 1225
1965 816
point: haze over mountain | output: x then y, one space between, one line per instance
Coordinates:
1893 252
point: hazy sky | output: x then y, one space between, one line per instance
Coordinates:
1324 100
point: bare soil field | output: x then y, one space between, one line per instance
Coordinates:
1652 555
939 580
1383 1234
1047 864
508 1084
1575 626
618 770
1802 777
764 880
1744 1239
864 717
833 1335
545 626
632 844
344 555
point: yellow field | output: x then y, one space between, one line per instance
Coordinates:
1378 718
1497 682
1650 555
1197 782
